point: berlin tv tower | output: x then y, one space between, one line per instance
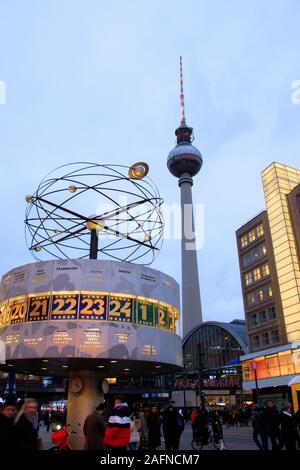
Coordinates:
184 162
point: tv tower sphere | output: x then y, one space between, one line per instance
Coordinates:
184 158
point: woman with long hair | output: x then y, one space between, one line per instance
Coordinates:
154 428
26 427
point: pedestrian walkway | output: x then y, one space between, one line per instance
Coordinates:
236 438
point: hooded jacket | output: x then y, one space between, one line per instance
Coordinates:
117 432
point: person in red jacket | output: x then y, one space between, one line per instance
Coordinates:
194 415
117 432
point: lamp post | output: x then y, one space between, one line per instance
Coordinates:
256 383
239 368
200 375
187 364
184 378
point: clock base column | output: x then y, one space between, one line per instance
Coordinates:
84 395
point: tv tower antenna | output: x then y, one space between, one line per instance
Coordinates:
182 110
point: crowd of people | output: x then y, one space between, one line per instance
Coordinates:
272 429
19 426
149 427
122 429
53 419
280 429
228 416
119 429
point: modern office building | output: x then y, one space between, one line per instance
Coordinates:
268 249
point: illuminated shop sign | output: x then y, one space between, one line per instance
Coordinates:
88 306
156 395
223 383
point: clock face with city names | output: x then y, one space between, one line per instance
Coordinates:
88 306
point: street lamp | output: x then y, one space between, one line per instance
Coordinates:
256 382
200 374
186 366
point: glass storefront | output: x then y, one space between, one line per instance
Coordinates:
272 365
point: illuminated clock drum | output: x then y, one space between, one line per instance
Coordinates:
90 314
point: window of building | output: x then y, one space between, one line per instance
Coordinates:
246 260
274 336
244 241
254 255
256 274
271 313
251 298
252 236
260 230
255 341
262 316
248 278
286 362
265 338
270 291
265 270
259 295
253 319
272 365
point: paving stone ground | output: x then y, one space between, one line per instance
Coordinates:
235 438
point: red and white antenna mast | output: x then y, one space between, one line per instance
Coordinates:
182 111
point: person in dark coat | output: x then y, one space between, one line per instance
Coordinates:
288 424
26 426
179 428
169 427
154 428
297 418
94 429
47 420
257 434
7 416
201 425
270 422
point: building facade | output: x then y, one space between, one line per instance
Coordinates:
262 302
268 249
211 360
